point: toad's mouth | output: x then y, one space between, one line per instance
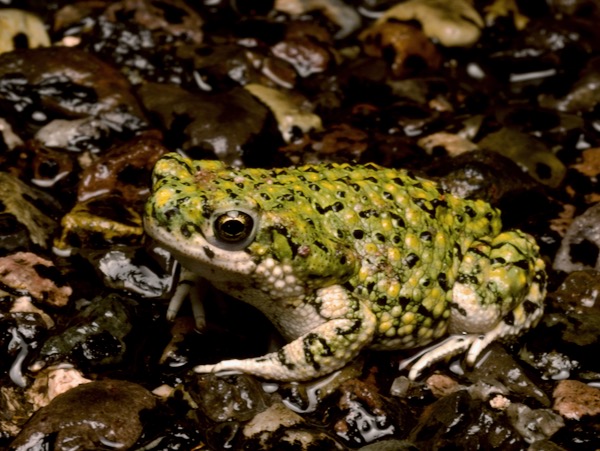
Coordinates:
198 255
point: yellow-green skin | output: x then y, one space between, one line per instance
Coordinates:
346 257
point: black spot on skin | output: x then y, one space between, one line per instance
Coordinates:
474 250
209 252
322 246
423 205
371 166
286 198
240 185
398 181
470 212
308 342
265 196
443 281
355 187
358 234
337 206
399 220
282 357
489 216
454 306
426 236
341 194
339 233
343 260
467 279
387 195
426 282
498 260
423 311
185 231
371 179
396 239
411 260
382 301
402 301
314 187
355 327
509 319
459 253
380 237
439 203
530 307
311 169
523 264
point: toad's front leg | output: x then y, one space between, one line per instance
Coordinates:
345 326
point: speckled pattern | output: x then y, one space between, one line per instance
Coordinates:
345 257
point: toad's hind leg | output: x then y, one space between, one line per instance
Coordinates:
338 326
499 292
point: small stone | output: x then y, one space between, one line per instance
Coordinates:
574 400
25 272
88 417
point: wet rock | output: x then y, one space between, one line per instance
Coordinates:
502 374
459 420
406 49
21 333
336 10
307 56
574 399
306 397
338 143
293 116
565 341
528 152
123 170
29 274
174 17
20 211
40 86
362 415
20 29
453 23
482 175
52 170
227 125
534 424
232 398
129 269
390 445
53 381
585 181
88 417
277 426
500 9
441 385
583 95
99 222
580 248
95 337
453 144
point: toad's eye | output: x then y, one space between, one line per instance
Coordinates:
234 227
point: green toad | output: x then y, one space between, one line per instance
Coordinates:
345 257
